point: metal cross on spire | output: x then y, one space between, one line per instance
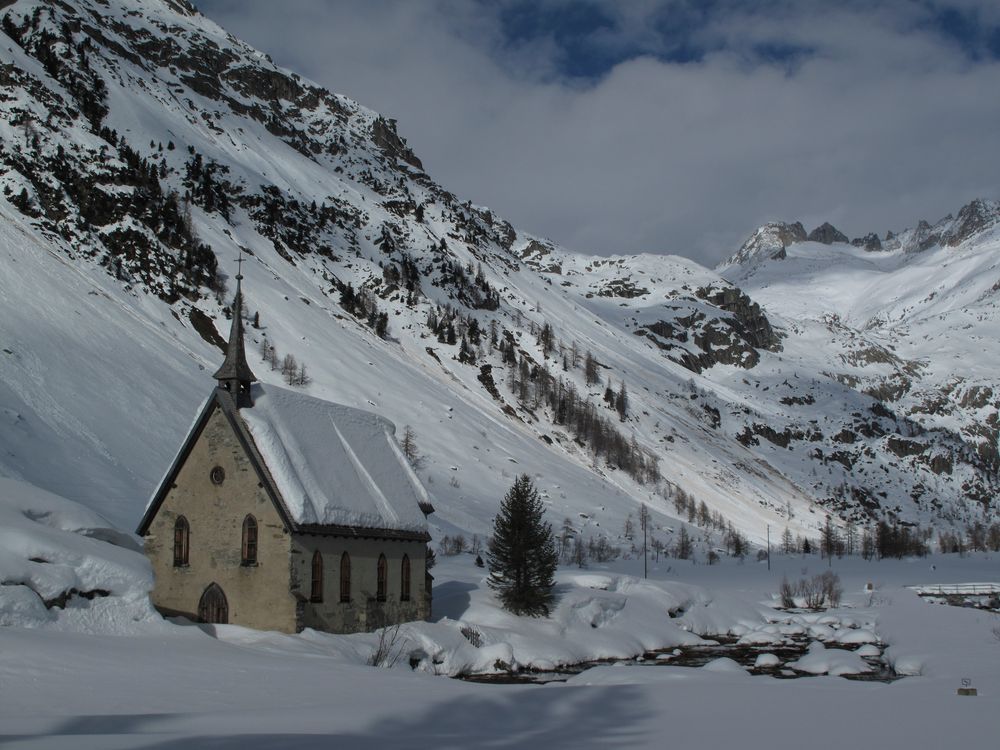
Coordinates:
235 375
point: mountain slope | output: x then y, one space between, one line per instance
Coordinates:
912 324
143 149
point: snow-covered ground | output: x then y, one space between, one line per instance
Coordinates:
109 673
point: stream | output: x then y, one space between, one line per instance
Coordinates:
698 656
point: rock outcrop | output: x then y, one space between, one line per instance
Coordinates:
705 338
869 242
827 234
973 218
768 242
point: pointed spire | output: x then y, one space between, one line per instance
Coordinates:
235 375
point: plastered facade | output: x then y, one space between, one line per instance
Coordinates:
259 596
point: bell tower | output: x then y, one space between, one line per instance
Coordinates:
234 375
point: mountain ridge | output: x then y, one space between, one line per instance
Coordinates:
770 240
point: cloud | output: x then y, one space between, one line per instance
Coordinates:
663 126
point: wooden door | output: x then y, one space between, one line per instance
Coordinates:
213 607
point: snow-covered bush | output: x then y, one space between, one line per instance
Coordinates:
813 592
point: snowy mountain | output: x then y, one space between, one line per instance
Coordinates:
143 149
911 324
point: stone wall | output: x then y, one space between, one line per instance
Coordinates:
258 596
363 612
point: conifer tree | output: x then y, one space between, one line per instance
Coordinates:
590 369
289 368
302 377
829 539
409 447
579 557
522 553
621 402
787 542
684 546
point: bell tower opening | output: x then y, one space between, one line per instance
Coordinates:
235 376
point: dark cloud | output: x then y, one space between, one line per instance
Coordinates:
668 126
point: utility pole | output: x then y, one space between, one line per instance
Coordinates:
769 546
644 522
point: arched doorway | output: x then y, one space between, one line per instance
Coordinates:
213 607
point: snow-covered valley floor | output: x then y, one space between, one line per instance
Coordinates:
86 681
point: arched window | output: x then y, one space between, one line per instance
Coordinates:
182 539
213 606
317 577
249 540
383 574
404 594
345 577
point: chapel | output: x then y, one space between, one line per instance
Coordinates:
282 512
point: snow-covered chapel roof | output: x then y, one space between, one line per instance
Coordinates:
331 469
332 464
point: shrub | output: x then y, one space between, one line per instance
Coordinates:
388 649
815 592
472 635
812 592
787 594
832 590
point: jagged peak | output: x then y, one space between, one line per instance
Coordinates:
767 242
972 219
976 216
827 234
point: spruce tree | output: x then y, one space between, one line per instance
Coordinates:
522 553
409 446
621 402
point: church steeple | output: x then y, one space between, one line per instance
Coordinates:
235 375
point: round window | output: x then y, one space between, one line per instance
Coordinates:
217 474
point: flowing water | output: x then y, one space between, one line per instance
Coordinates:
699 656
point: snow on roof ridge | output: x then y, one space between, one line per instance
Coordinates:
415 482
384 505
360 479
276 456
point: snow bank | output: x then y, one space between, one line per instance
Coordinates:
766 661
834 661
724 665
64 565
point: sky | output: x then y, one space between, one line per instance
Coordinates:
668 126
